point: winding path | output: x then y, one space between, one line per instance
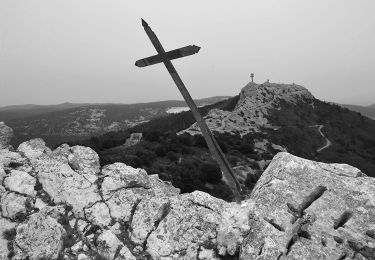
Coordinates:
328 142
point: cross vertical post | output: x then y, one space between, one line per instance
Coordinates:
212 144
252 77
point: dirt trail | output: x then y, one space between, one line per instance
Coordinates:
328 142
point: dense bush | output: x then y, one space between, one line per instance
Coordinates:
211 171
172 156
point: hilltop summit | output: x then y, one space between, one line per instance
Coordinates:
252 110
271 92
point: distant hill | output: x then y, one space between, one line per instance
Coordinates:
23 111
368 111
69 121
251 128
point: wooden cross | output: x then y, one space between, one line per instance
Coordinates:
212 144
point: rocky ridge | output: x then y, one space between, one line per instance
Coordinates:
61 204
251 111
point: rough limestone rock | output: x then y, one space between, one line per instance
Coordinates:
108 243
6 134
21 182
123 187
125 254
251 111
98 214
147 215
341 219
5 226
122 202
233 225
119 176
8 157
189 226
13 205
61 153
84 160
162 188
34 148
64 185
40 237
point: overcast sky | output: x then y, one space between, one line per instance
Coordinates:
84 50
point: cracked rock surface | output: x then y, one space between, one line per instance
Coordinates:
41 236
61 204
344 213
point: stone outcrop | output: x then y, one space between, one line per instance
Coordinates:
299 209
252 110
33 149
343 213
133 139
13 205
63 204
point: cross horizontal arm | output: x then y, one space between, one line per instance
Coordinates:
171 55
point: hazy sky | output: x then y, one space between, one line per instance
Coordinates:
84 50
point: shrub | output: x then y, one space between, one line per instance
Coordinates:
245 148
132 161
254 156
146 156
172 156
211 171
160 150
152 136
185 139
199 141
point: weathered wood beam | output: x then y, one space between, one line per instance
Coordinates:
171 55
212 144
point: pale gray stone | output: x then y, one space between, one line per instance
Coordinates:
21 182
41 237
291 179
33 148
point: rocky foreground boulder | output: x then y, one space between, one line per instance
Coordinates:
61 204
301 209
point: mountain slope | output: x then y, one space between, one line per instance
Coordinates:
286 115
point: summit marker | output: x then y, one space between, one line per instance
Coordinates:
212 144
